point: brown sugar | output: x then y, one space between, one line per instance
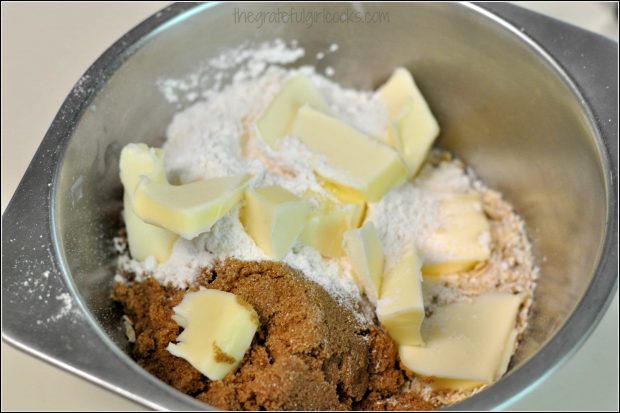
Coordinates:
309 353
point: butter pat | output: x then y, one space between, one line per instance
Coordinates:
364 168
325 228
218 330
146 240
401 307
274 217
462 240
467 341
136 160
276 120
415 124
449 384
190 209
365 254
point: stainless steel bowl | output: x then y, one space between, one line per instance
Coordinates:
531 104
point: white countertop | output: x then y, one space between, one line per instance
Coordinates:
47 47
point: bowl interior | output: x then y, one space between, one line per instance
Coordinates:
501 106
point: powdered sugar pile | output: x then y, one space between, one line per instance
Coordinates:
217 137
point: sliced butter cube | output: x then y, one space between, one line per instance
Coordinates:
467 341
218 330
274 218
401 307
136 160
190 209
325 228
362 165
365 254
146 240
462 240
414 122
397 93
276 120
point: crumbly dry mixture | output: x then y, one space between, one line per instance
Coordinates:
511 268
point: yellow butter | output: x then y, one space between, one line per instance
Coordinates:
413 120
462 240
467 341
218 331
401 307
365 254
450 384
274 218
190 209
390 135
275 122
325 228
144 240
138 159
451 267
345 194
363 166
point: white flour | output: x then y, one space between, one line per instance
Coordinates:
210 75
408 214
405 215
217 136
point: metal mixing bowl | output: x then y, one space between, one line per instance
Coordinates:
531 105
